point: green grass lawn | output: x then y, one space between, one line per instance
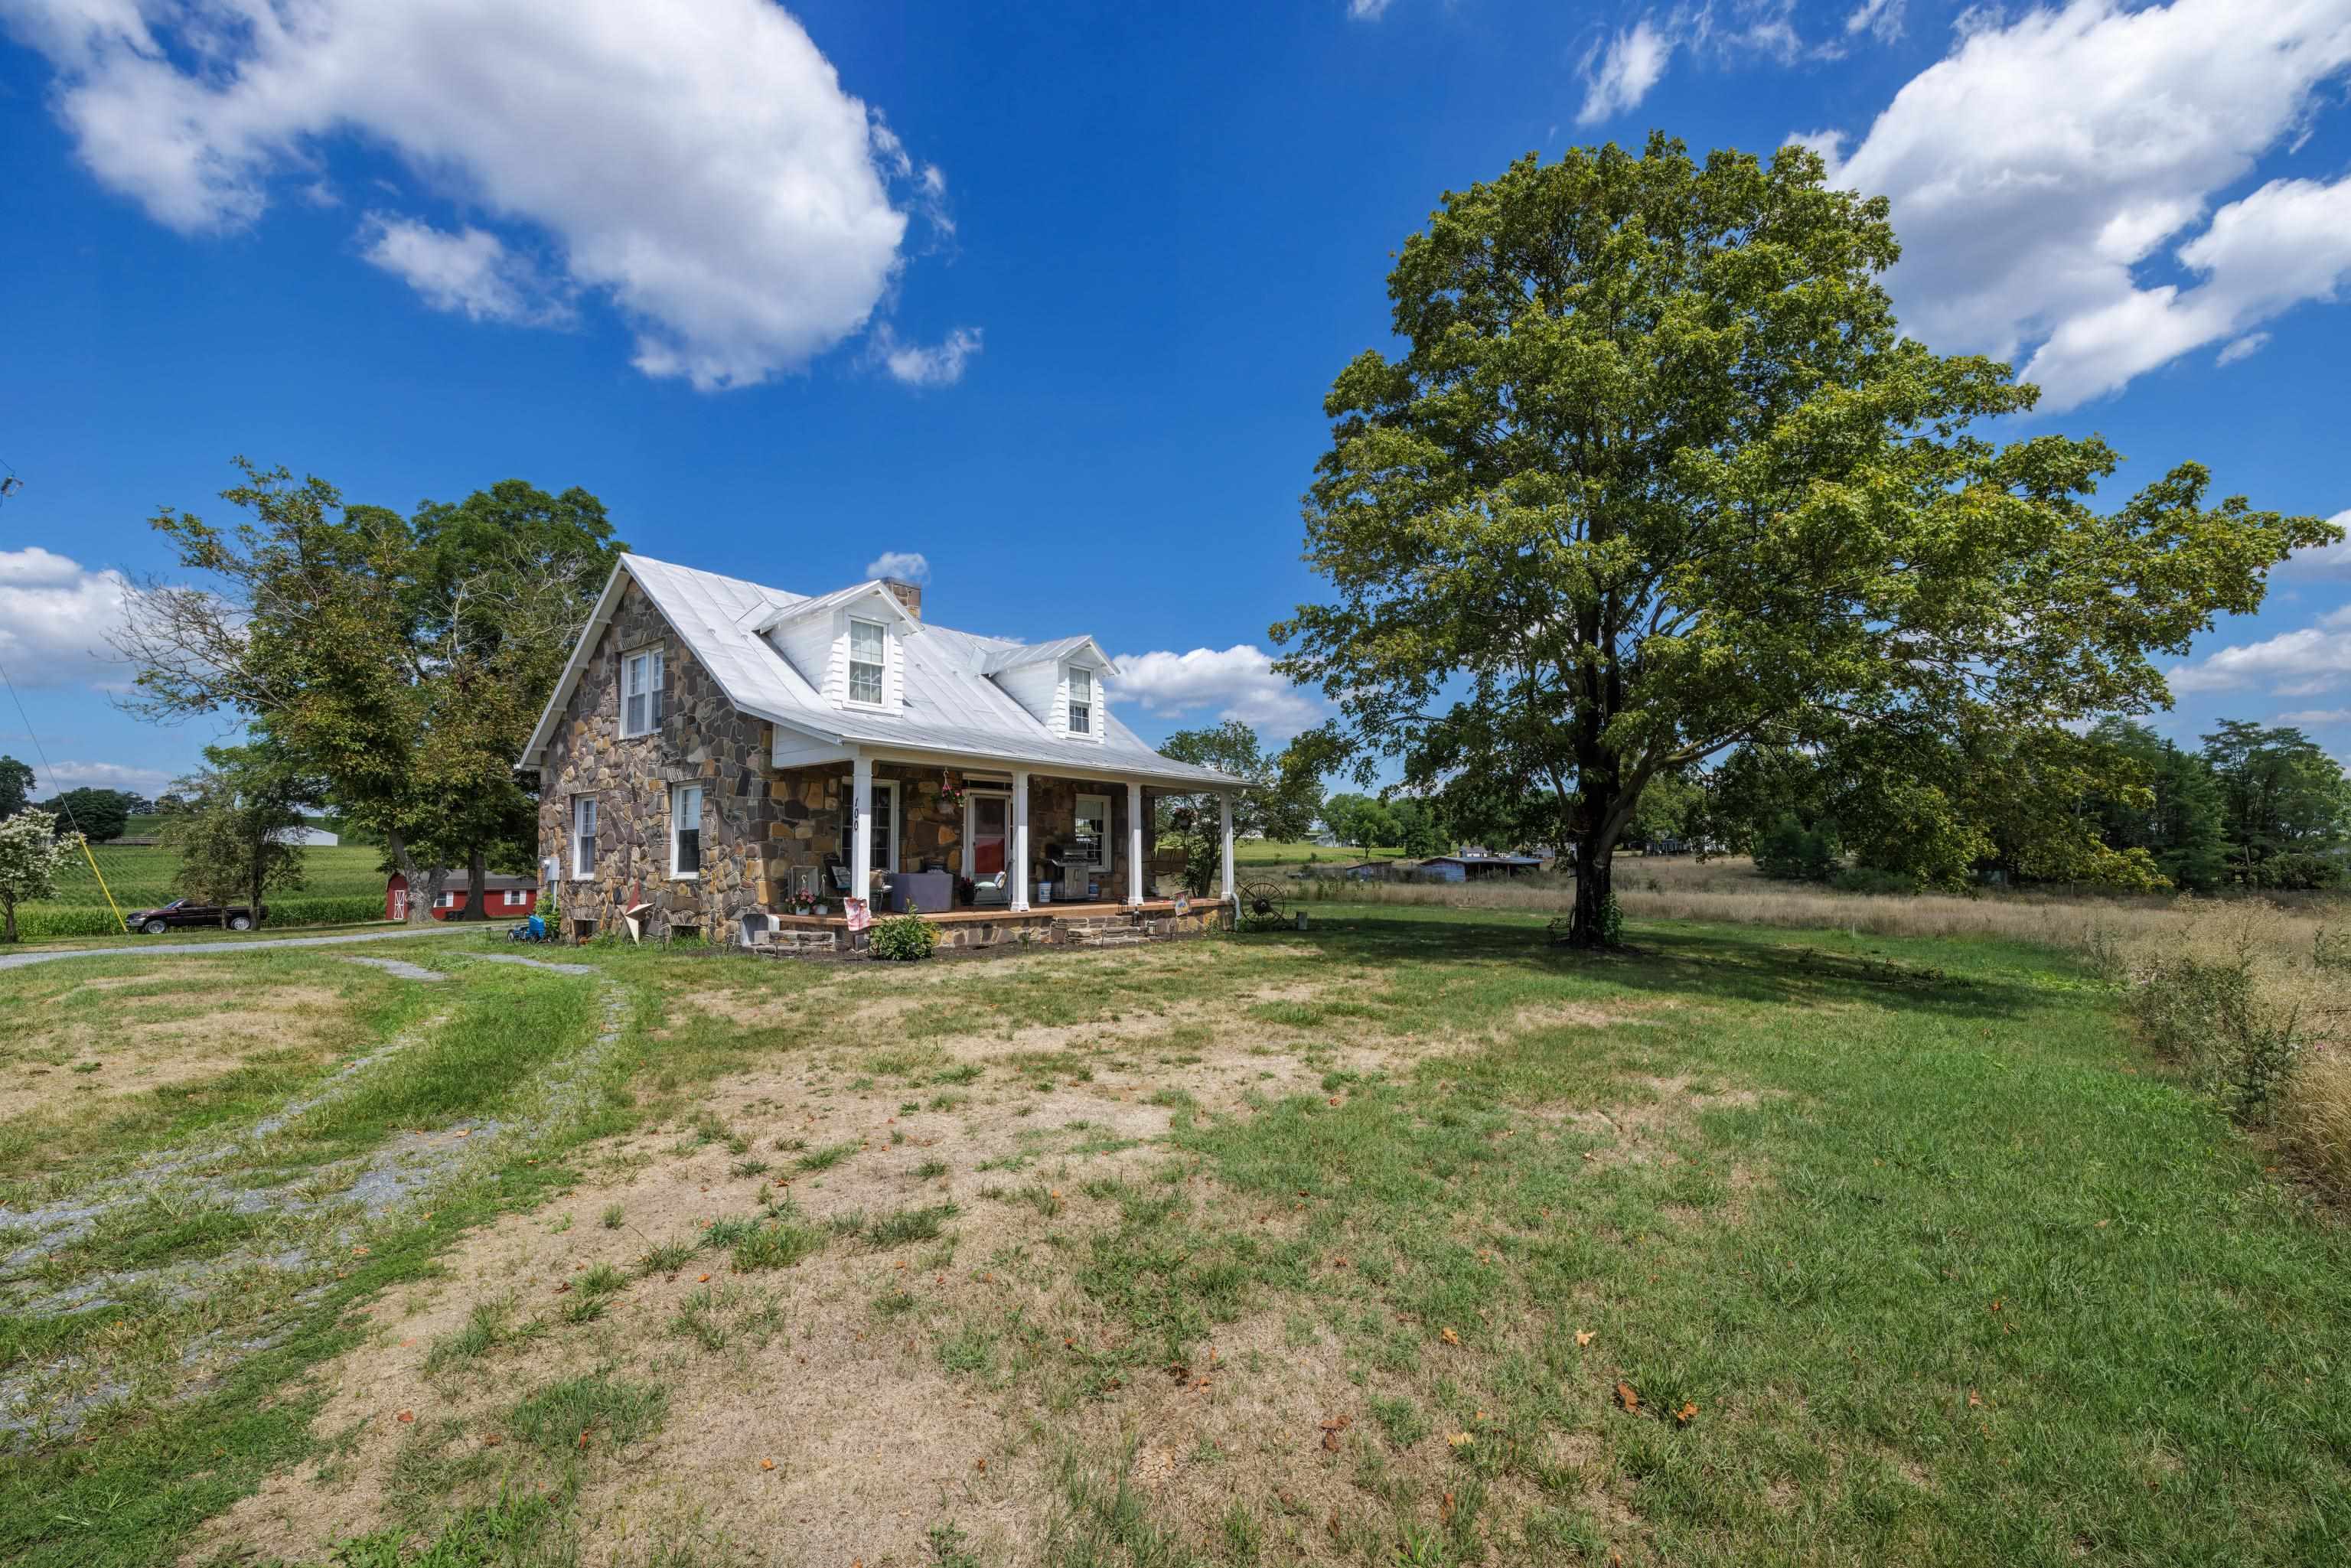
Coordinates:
1745 1247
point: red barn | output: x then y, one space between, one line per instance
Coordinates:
510 896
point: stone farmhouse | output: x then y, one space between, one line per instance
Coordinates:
739 763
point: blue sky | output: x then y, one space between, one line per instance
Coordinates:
1050 296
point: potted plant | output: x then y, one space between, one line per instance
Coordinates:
951 791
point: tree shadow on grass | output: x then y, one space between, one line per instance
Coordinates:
1788 968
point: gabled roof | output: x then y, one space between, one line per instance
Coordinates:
952 704
1024 654
768 618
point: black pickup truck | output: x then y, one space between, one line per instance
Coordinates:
180 912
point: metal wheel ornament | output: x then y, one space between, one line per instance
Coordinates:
1264 905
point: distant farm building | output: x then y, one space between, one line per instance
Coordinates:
507 895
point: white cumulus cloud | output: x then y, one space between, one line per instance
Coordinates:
2048 173
2294 664
2326 559
702 168
1238 682
54 615
940 365
147 781
905 565
1881 19
470 272
1619 74
2315 715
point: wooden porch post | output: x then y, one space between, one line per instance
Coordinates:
1019 840
1224 814
1135 843
861 812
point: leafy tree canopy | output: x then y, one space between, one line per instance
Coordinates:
32 853
228 828
402 661
1656 474
15 786
100 815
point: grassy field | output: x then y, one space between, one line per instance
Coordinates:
341 883
1406 1241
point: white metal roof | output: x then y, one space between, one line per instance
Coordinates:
952 705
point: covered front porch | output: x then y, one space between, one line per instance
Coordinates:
991 851
1098 924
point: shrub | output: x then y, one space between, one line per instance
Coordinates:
1871 880
902 938
2232 999
1788 850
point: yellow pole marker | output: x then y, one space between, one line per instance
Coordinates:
103 888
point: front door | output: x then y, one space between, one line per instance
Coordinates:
986 835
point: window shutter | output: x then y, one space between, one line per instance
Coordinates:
659 692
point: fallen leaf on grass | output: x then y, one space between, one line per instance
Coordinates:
1582 1336
1331 1441
1459 1439
1448 1336
1626 1399
1974 1399
1686 1414
406 1416
767 1464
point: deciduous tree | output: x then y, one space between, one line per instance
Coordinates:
402 661
32 855
15 786
1656 474
230 829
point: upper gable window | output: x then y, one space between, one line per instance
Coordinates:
640 693
869 652
1082 700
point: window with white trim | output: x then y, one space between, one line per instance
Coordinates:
885 825
686 829
869 655
447 901
640 693
1082 700
1089 842
583 835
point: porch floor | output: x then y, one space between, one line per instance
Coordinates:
1000 914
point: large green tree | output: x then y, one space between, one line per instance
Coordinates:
35 850
232 827
1283 796
400 660
15 786
1656 474
99 815
2285 804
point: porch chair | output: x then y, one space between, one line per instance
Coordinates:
994 890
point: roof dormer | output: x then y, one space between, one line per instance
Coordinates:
1059 683
847 644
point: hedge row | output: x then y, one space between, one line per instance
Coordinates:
39 922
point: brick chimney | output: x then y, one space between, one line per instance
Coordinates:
906 594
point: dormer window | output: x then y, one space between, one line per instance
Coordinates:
1082 700
869 652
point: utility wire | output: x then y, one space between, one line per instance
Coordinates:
42 752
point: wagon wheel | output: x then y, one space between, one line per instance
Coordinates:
1264 905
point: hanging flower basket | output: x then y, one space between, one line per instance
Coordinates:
951 791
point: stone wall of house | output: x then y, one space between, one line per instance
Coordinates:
702 739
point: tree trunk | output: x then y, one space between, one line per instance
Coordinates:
477 871
420 901
1587 927
7 920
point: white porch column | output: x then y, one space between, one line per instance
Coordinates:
1135 843
860 813
1225 817
1019 840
